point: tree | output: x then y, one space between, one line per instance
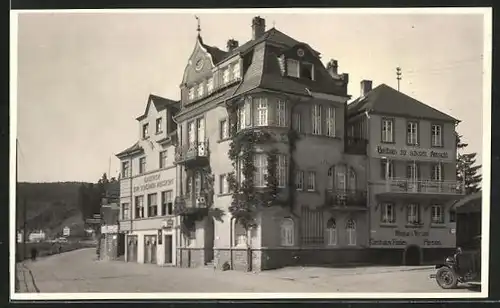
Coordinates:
467 170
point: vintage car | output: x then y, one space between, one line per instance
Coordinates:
463 267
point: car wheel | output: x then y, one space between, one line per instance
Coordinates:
446 278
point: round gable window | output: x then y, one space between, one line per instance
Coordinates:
199 64
300 52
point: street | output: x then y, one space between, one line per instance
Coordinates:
78 271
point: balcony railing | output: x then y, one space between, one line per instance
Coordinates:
356 145
191 151
402 185
348 197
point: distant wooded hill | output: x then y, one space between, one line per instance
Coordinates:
52 206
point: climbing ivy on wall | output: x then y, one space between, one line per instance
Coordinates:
246 198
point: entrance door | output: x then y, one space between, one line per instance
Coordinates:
168 249
150 249
132 248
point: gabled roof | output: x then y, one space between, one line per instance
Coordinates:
135 148
160 103
386 100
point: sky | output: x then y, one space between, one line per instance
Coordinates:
83 78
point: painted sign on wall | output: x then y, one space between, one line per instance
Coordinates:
418 154
153 181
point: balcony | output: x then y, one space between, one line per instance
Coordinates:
356 145
192 154
190 203
347 199
415 188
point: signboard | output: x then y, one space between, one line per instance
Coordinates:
168 223
97 216
413 153
160 237
403 237
151 182
109 229
66 231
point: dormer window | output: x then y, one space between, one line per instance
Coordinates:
159 125
145 129
299 69
201 90
292 67
191 94
210 84
225 76
236 70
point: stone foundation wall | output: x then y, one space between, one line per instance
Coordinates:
190 257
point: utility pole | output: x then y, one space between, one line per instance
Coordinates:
398 75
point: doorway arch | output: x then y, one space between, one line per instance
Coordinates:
412 255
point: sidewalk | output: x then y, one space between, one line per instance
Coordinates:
25 282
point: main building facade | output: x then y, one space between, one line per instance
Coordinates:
264 128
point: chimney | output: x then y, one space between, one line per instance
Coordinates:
366 86
332 67
258 27
232 44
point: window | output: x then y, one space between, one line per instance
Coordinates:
225 76
316 120
292 67
201 89
352 179
388 214
387 168
236 70
437 216
311 181
307 70
299 180
296 122
243 116
281 113
200 125
351 232
341 177
145 129
281 172
152 205
287 232
412 171
197 183
139 207
125 211
436 135
191 133
240 235
331 178
413 213
125 169
163 159
241 176
387 130
191 93
159 125
331 231
260 169
223 184
142 165
437 172
223 129
261 119
412 133
330 122
166 202
453 216
210 84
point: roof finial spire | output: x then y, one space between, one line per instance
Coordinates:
199 27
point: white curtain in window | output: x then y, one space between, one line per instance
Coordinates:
331 230
287 232
351 232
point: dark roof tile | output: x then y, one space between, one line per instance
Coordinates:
384 99
134 148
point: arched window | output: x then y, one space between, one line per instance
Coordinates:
351 232
331 178
331 231
240 235
287 232
341 177
352 179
